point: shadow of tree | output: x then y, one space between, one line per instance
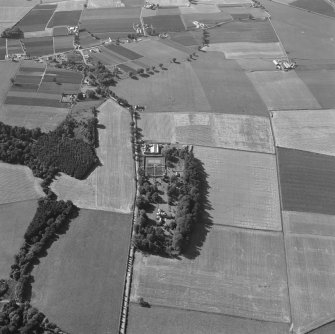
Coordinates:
204 222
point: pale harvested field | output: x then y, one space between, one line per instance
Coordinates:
111 186
239 272
307 130
227 2
283 90
239 132
171 321
177 89
104 3
309 223
243 188
199 9
18 3
14 220
256 64
172 3
12 14
46 118
79 285
246 50
17 183
70 5
311 273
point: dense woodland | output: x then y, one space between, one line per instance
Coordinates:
14 32
25 319
50 153
186 192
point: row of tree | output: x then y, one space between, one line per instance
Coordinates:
51 216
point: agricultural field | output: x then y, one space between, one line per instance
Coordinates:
8 71
210 19
246 50
79 285
39 46
70 5
104 3
111 186
311 269
17 183
242 283
159 320
283 90
119 25
243 188
178 89
110 13
239 132
14 219
14 46
165 23
46 118
63 43
306 130
107 57
317 6
298 30
64 18
307 181
3 50
37 18
321 83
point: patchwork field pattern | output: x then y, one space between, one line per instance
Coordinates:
158 320
243 283
243 188
240 132
14 220
107 25
165 23
307 181
65 18
111 186
80 283
311 269
306 130
283 90
17 183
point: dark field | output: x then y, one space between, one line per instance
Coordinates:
110 13
24 88
69 18
168 11
184 38
123 51
25 79
34 101
108 25
86 40
39 46
62 76
54 88
35 20
79 285
307 181
165 23
63 43
60 31
2 48
32 69
322 85
126 68
317 6
227 87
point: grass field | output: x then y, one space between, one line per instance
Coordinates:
256 13
12 14
65 18
79 285
104 3
246 50
63 43
298 30
86 40
239 132
306 130
231 276
63 76
171 321
107 57
70 5
283 90
322 85
35 20
7 71
177 89
17 183
124 52
46 118
243 188
317 6
311 269
14 220
307 181
111 186
221 90
58 89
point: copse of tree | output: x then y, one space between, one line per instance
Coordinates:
14 32
25 319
